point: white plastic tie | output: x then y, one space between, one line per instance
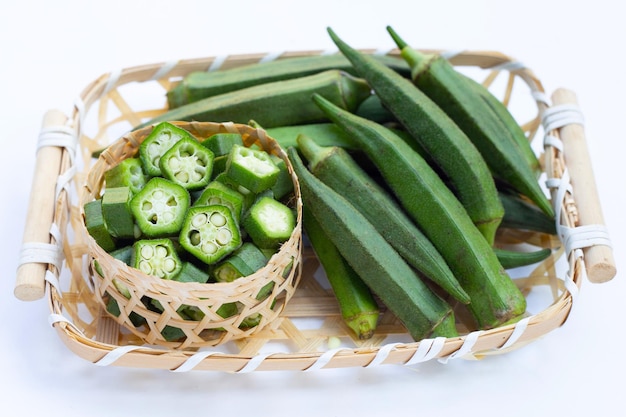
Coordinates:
53 280
509 66
217 63
382 354
164 70
450 54
553 141
584 236
271 56
427 350
193 361
63 180
466 347
115 354
114 77
541 97
556 117
60 136
324 359
41 253
518 331
254 363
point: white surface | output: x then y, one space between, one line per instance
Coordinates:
51 50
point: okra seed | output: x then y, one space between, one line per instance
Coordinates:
147 252
217 219
194 237
174 163
158 195
182 176
199 219
224 236
172 202
169 265
209 248
145 267
146 206
161 252
168 217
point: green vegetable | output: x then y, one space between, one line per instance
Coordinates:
251 168
210 233
495 298
337 169
163 137
357 304
188 164
243 262
274 104
217 192
423 313
94 222
199 85
522 214
326 134
191 273
221 143
442 83
128 173
160 207
156 257
269 222
284 183
117 213
514 259
428 124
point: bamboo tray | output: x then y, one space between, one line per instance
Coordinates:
309 333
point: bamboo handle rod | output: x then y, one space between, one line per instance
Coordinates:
30 280
599 260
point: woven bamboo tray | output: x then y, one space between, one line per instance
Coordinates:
309 333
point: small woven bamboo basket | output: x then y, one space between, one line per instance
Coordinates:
307 333
282 271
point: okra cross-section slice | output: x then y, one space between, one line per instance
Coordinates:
156 257
160 140
188 164
221 143
219 193
160 207
252 168
128 173
269 222
210 233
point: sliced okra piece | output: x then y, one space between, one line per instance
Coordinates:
269 222
128 173
219 165
113 308
284 183
123 254
243 262
117 213
248 196
221 143
254 319
160 140
160 207
219 193
188 164
191 273
156 257
252 168
96 226
194 313
210 233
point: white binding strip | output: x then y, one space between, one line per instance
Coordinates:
114 77
427 350
553 141
193 361
217 63
271 56
53 280
382 354
164 70
509 66
559 116
115 354
61 136
518 331
42 253
466 347
451 53
324 359
253 363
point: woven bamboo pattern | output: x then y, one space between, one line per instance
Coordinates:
308 334
282 270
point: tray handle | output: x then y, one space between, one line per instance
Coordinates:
599 260
39 251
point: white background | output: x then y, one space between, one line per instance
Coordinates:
50 50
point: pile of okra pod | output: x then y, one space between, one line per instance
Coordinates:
407 168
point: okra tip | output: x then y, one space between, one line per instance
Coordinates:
400 43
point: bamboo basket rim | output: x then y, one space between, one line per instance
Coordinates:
102 351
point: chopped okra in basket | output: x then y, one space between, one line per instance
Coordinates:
194 209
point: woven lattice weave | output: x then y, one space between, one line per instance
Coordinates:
304 336
283 268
